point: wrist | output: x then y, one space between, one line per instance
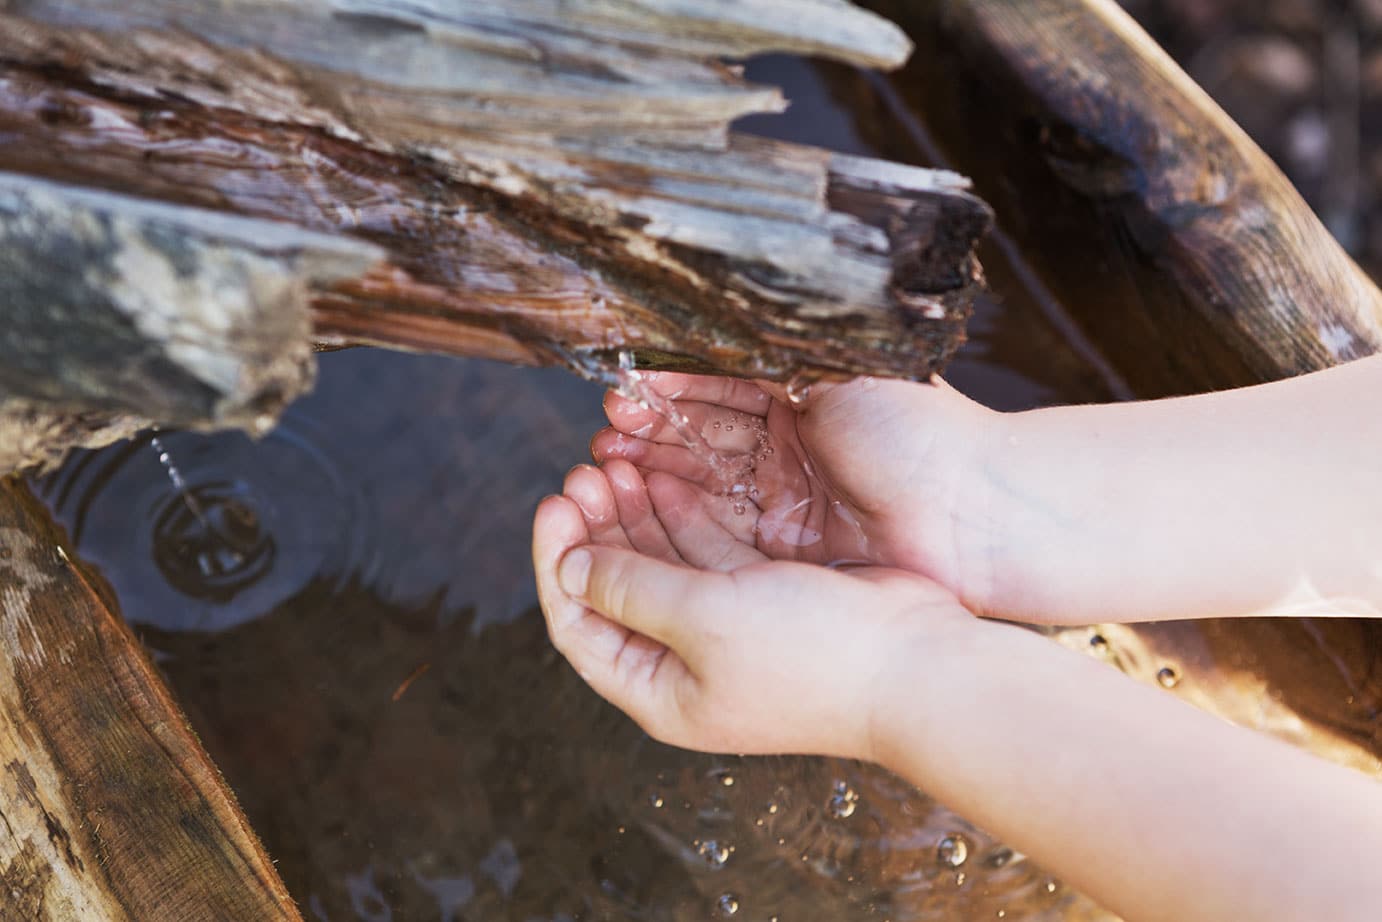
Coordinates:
920 668
1046 529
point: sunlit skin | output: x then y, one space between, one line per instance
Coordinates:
712 636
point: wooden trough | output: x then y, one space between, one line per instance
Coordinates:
191 199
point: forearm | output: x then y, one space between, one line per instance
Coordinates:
1153 808
1265 500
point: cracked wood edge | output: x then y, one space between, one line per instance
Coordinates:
117 307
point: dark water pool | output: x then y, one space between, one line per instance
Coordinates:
365 663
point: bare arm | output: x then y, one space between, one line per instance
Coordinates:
1155 809
1265 500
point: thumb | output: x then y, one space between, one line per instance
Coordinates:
661 600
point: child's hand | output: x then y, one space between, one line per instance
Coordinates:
685 625
877 471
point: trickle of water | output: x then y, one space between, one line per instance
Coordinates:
843 801
712 853
208 541
733 474
953 850
727 905
1168 677
175 476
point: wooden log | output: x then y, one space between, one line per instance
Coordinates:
120 311
544 187
110 811
1170 236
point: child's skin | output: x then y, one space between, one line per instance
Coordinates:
726 632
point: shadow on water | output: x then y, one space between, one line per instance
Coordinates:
347 616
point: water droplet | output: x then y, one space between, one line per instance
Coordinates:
1168 677
727 905
727 781
799 389
729 428
717 424
739 508
620 830
843 801
1050 886
1000 858
768 450
712 853
656 801
960 879
953 850
1098 644
1002 913
772 808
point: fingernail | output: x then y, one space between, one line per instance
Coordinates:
574 572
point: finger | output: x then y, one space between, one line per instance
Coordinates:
636 514
590 490
722 428
705 530
731 393
558 526
665 601
677 460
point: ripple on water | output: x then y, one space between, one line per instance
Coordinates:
230 526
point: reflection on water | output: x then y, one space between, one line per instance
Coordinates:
383 699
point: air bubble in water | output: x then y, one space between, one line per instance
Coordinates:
953 850
727 905
1168 677
712 853
843 801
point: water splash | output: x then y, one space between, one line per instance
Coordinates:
232 526
953 850
732 474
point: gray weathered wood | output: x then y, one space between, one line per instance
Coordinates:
120 307
546 184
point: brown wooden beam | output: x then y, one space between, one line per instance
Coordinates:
109 807
1172 238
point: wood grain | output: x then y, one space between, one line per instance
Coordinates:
1178 245
109 807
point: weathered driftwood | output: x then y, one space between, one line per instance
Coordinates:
117 306
1176 243
110 811
544 183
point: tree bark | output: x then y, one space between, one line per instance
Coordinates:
541 188
110 811
1171 237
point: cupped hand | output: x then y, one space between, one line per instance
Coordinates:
683 623
871 471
